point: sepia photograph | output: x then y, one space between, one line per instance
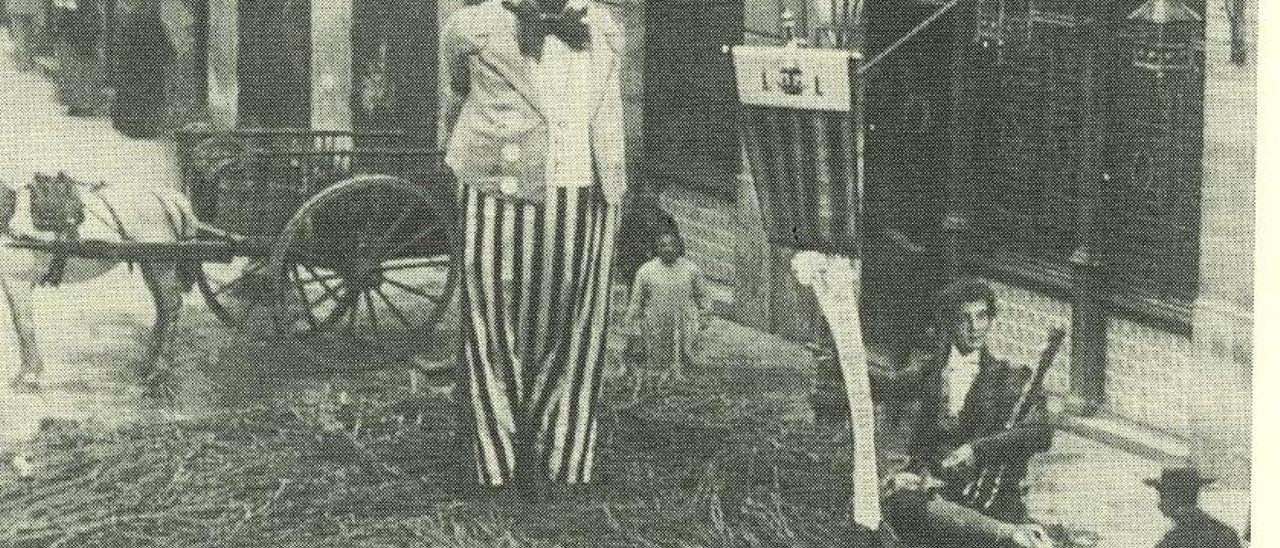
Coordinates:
629 273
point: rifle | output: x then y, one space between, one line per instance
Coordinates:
987 485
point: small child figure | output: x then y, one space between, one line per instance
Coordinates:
669 307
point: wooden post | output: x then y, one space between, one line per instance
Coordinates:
1089 290
955 224
331 64
223 37
954 229
1088 335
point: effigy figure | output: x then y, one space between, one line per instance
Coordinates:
535 138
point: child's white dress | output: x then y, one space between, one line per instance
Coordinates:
666 305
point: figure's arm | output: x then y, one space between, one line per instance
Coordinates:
610 110
639 297
700 295
455 53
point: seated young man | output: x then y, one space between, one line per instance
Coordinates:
966 397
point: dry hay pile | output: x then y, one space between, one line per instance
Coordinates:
682 467
287 474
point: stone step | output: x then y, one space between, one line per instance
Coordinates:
1131 437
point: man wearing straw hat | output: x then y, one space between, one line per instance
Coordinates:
533 119
1179 490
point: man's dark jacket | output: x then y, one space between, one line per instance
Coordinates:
1192 528
981 421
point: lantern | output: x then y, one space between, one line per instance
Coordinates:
1164 30
990 23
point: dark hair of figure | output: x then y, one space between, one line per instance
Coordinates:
959 292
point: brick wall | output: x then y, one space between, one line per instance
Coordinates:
1147 368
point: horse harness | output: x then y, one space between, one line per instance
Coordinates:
56 207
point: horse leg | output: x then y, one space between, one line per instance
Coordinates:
20 311
166 291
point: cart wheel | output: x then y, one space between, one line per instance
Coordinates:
367 257
235 291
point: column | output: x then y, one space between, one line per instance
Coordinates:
222 64
964 85
1219 381
331 64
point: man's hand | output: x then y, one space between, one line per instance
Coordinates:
1031 536
908 481
904 481
960 458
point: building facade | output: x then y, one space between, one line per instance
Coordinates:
1092 187
325 64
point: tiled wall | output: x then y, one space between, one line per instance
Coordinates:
1146 369
709 228
1022 328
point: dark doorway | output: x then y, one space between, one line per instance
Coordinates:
393 68
908 110
274 63
690 96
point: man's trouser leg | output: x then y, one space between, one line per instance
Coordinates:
933 521
535 297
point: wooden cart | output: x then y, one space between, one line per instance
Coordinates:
319 232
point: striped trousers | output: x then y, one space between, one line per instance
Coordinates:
535 299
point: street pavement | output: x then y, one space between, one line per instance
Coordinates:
1079 483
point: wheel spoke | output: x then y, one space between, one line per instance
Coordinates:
355 311
307 304
329 292
339 309
394 309
317 278
411 289
418 263
373 314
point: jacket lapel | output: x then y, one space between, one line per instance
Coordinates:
989 395
605 45
502 55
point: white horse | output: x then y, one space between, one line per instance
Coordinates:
102 212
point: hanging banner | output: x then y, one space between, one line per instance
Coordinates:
794 77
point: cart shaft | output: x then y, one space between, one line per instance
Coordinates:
203 251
